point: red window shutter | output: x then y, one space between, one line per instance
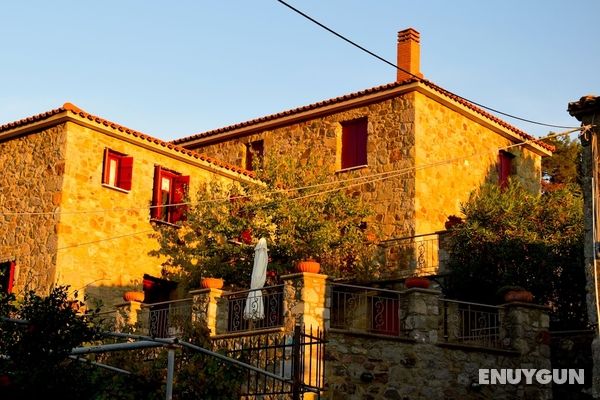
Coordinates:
180 190
105 166
11 277
354 143
156 193
505 166
125 172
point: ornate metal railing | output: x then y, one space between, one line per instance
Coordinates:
470 323
166 319
420 254
255 309
360 308
296 357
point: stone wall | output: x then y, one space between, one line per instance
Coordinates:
419 362
440 154
33 168
471 151
105 233
390 148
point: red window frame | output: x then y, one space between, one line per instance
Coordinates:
504 167
7 276
254 149
354 143
169 192
118 169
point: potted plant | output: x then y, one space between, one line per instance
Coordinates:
417 282
134 295
511 294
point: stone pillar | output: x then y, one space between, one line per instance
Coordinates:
587 110
209 306
306 301
419 314
127 314
527 331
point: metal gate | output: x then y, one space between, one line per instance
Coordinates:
297 358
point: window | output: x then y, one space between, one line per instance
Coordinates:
7 276
117 170
505 167
254 151
170 190
354 143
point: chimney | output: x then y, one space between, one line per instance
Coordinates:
409 54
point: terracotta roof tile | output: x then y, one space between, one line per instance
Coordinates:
359 94
69 107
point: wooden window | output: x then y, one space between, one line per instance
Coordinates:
354 143
505 167
118 169
170 191
254 151
7 276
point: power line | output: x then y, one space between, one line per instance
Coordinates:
410 73
359 179
375 178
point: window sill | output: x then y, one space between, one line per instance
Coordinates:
118 189
339 171
161 222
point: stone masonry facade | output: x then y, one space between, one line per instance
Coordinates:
440 156
62 225
33 168
417 363
390 147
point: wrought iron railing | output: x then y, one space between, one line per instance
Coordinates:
255 309
166 319
470 323
420 254
296 357
360 308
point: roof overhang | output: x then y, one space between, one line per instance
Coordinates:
328 108
179 153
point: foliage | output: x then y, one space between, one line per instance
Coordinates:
515 238
564 166
36 363
197 376
320 221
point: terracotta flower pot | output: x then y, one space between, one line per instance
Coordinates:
417 282
523 296
308 266
133 296
212 283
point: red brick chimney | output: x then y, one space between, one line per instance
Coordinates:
409 54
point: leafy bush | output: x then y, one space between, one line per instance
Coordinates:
515 238
319 221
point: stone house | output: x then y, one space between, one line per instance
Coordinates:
419 148
78 197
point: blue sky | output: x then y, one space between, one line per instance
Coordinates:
178 68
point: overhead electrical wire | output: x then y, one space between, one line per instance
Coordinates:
364 179
375 178
339 35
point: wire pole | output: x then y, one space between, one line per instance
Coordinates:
170 373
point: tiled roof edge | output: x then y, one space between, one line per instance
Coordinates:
359 94
69 107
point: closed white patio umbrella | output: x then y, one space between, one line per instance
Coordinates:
254 308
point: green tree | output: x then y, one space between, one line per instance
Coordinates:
514 237
35 359
295 205
564 166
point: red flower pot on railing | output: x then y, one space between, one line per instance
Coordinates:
417 282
